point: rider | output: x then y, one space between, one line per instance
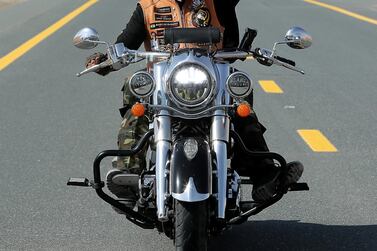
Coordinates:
147 26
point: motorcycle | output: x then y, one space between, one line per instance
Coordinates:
189 190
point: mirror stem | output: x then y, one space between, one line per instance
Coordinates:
276 44
99 42
282 42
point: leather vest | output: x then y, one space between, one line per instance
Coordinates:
162 14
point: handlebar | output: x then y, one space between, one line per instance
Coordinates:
119 57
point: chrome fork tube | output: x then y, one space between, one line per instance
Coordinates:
219 139
162 130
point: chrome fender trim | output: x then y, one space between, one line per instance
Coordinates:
190 194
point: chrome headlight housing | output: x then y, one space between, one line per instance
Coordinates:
239 84
190 84
141 84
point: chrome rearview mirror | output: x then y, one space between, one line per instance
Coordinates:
86 38
298 38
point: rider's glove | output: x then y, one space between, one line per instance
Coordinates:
95 59
262 60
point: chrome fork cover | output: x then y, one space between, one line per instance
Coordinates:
162 127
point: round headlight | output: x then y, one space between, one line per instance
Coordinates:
239 84
141 84
190 84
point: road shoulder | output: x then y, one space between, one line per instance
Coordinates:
7 3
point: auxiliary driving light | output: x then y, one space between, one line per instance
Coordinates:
239 84
141 84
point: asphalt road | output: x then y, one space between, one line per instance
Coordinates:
53 124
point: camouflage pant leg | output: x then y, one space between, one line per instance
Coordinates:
131 130
128 98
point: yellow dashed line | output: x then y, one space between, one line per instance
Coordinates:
317 141
28 45
343 11
270 86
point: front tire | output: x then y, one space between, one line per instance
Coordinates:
191 225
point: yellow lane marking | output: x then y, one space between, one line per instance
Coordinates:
317 141
343 11
28 45
270 86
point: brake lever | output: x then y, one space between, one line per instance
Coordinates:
268 55
94 68
288 66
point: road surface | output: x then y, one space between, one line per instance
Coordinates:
53 124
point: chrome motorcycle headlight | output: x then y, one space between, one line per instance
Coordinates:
190 84
239 85
141 84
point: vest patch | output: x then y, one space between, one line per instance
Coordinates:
201 18
159 17
160 25
166 9
158 34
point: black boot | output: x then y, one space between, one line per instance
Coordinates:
265 187
265 180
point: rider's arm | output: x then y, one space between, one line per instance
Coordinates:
226 12
134 34
132 37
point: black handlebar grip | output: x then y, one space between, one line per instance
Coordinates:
288 61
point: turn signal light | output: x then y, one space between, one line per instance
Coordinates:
138 110
243 110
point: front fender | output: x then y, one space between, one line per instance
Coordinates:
191 179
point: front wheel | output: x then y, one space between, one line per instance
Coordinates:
191 224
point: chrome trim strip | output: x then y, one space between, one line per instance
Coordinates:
190 194
190 115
